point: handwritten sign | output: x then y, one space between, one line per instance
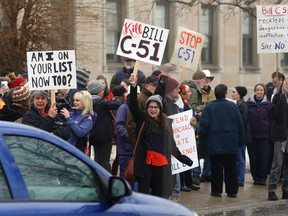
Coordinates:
142 42
272 29
51 70
184 136
188 47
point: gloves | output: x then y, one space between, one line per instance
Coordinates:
185 160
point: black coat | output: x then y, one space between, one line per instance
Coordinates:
57 125
278 115
103 128
140 156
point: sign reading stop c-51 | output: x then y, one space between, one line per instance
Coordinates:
142 42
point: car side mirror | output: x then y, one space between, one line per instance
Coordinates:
118 188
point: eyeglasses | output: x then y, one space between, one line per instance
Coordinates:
153 107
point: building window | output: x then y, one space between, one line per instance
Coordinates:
284 60
247 39
162 20
206 29
113 20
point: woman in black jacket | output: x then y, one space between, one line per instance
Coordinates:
155 147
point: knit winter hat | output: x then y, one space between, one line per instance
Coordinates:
157 98
19 95
16 82
82 76
242 91
151 79
95 86
171 84
198 75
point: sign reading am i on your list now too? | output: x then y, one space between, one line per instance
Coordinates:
272 29
50 70
142 42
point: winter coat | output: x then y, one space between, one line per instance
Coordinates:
123 146
81 125
196 98
130 123
221 127
57 125
103 129
258 116
124 73
279 117
243 109
141 151
207 95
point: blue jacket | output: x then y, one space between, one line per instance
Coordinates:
222 128
123 146
80 125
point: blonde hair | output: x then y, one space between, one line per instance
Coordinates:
86 99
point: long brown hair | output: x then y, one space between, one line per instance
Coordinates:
160 122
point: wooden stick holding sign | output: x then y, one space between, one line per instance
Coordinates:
180 77
53 96
136 66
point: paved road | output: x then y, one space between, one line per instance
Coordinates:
251 200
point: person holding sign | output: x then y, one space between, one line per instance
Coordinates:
155 147
45 116
125 73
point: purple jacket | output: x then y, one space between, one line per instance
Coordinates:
258 116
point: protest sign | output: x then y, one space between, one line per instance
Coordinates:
188 47
142 42
272 26
51 70
184 136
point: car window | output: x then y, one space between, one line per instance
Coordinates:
51 173
4 189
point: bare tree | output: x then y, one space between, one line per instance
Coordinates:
37 25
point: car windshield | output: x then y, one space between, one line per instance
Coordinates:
51 173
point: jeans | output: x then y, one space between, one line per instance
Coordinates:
241 164
206 166
177 186
196 172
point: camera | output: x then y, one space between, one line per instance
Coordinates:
198 110
62 103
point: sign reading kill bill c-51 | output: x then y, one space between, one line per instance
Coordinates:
49 70
142 42
184 136
188 47
272 28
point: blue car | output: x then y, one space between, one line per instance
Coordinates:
41 174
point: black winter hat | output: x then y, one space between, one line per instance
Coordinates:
119 91
242 91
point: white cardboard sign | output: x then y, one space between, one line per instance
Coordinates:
49 70
272 28
142 42
184 136
188 47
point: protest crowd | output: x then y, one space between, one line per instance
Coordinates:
93 118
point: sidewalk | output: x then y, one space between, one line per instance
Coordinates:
251 200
